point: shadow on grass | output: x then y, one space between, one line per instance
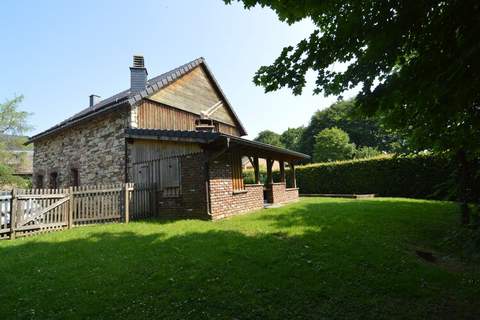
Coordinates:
227 274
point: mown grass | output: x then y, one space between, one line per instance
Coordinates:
319 258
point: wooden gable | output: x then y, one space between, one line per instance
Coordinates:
195 92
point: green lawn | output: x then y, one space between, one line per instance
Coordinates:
319 258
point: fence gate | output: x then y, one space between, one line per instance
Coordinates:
26 212
39 209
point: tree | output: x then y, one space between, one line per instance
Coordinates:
12 124
291 138
269 137
332 144
416 62
362 131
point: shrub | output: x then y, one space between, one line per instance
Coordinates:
249 176
421 176
366 152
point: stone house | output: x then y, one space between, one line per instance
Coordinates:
175 136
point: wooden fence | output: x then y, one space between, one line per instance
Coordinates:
32 211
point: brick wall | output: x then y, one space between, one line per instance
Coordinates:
224 201
279 193
95 148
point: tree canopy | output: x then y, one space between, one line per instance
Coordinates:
291 138
363 131
269 137
416 63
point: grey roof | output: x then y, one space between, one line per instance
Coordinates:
214 137
128 98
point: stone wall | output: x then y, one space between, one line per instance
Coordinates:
224 201
279 193
95 148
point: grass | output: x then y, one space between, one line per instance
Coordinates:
319 258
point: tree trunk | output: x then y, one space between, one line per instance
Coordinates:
463 186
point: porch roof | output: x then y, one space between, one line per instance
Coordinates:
217 140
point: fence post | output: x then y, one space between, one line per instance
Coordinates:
127 213
70 208
13 213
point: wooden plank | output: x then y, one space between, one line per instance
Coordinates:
53 195
126 204
13 213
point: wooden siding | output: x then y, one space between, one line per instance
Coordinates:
147 150
194 92
153 115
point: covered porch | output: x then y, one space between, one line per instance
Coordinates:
276 187
210 176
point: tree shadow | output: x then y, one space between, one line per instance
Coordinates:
122 273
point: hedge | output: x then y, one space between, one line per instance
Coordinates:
406 176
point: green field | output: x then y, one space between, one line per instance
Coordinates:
318 258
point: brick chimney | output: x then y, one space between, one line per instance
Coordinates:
138 74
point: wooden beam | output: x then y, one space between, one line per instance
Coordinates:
282 170
293 176
256 168
269 171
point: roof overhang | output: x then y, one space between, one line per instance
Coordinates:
216 141
75 120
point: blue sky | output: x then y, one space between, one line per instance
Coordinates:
57 53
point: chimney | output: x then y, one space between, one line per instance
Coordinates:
94 99
138 75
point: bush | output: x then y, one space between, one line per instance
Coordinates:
249 176
421 176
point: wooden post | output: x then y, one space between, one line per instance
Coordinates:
70 208
292 172
269 171
127 213
13 213
256 167
282 171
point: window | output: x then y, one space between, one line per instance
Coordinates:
39 181
53 180
237 176
75 179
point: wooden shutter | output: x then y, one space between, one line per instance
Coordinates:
170 169
237 177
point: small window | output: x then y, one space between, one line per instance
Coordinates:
237 175
39 181
53 180
75 179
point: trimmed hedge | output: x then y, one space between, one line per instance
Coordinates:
407 176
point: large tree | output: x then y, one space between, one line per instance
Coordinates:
416 62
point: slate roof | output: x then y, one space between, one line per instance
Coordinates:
213 137
128 98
